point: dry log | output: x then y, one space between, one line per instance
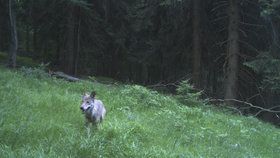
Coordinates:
64 76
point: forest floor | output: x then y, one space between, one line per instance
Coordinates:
40 117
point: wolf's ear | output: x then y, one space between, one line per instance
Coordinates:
85 95
93 93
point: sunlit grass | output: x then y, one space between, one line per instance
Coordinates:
41 118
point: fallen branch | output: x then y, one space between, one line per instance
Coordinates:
250 105
268 111
64 76
233 108
175 83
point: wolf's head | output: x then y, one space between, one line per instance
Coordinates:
87 101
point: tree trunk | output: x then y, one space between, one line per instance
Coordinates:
275 37
58 61
27 36
231 85
106 10
13 36
2 22
69 54
28 28
196 37
77 50
35 42
144 73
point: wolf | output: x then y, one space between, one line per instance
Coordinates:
93 109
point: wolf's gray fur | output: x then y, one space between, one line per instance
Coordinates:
93 109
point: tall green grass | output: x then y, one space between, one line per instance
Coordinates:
41 118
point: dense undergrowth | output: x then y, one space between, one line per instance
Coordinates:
40 117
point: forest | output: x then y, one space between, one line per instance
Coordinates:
228 50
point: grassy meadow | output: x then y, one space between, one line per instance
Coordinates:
40 117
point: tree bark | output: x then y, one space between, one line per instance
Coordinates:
231 85
144 73
196 37
13 36
36 44
27 36
106 9
28 28
70 42
77 49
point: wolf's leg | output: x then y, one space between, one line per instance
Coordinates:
101 119
87 123
95 126
88 132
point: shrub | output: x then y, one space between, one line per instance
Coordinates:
138 95
187 94
36 72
